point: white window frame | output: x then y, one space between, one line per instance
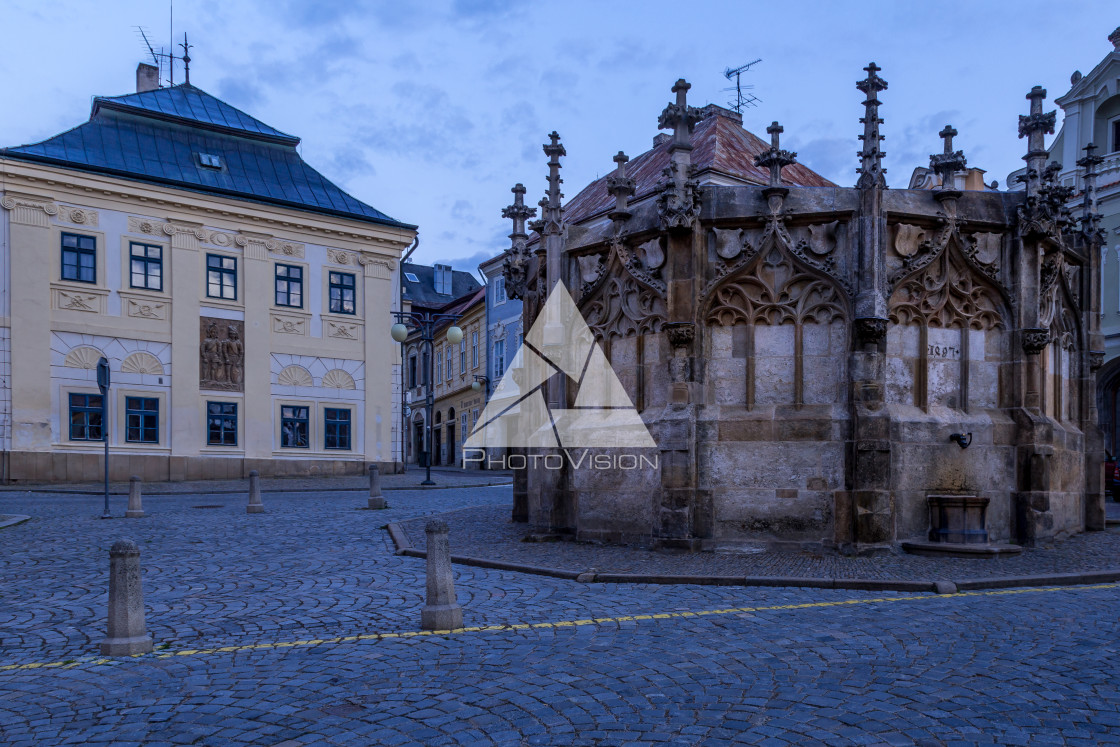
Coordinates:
499 290
499 358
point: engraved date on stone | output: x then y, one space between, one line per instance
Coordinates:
944 351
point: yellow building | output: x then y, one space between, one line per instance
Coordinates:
230 286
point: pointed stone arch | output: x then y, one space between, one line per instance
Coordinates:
949 291
618 304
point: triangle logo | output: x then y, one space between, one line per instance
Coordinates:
560 343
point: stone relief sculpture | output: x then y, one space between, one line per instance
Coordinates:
775 291
221 354
947 293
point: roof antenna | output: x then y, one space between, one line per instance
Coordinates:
742 100
171 40
186 58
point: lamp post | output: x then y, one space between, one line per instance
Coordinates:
103 386
425 323
481 382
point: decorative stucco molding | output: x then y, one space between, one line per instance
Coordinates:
289 325
79 215
28 210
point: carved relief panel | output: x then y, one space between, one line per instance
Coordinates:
222 354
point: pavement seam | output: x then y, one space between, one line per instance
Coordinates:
506 627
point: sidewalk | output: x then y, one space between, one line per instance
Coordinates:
442 477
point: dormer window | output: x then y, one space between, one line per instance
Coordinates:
411 277
210 161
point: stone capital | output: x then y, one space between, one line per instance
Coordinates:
29 210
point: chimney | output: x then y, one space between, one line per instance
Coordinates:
147 77
661 137
443 279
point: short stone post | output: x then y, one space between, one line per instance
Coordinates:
135 509
441 612
376 500
255 506
127 632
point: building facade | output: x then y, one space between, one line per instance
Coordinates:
821 366
227 283
504 330
440 290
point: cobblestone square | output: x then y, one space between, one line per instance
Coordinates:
300 626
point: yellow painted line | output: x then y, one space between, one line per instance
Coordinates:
505 627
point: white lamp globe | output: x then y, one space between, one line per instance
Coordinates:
454 334
399 332
476 385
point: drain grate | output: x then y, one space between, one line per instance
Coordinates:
215 505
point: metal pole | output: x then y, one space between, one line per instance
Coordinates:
429 403
103 386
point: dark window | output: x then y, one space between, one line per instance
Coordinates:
293 427
337 422
86 417
221 277
411 371
342 293
221 423
142 420
1116 136
146 266
289 285
79 258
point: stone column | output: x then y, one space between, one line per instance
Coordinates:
258 284
441 612
31 252
376 500
255 505
127 631
135 509
188 284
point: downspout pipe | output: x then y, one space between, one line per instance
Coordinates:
404 390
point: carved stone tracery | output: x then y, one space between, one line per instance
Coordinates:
947 292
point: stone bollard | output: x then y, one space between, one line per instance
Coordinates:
441 612
255 506
135 509
376 500
127 632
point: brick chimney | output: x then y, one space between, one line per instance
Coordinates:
147 77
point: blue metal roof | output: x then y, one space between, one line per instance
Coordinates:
159 136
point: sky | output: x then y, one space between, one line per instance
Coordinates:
431 111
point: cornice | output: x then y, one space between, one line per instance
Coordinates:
141 197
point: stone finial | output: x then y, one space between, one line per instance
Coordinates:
552 213
1035 126
135 509
622 187
949 162
518 212
441 610
376 500
871 171
255 505
1090 215
680 117
127 629
1114 37
775 158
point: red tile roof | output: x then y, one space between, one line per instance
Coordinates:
720 146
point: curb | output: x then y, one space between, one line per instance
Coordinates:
241 491
10 520
405 548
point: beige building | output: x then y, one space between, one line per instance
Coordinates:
230 286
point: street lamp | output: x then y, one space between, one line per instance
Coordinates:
425 323
479 382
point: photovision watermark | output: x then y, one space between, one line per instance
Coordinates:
558 460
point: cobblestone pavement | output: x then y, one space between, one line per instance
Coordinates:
443 477
544 661
486 532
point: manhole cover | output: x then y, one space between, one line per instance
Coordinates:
216 505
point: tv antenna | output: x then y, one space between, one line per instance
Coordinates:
165 61
742 100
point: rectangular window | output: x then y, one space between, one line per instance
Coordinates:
146 266
221 423
79 258
463 427
474 350
1116 135
450 364
439 366
141 420
289 286
86 417
411 371
342 293
337 428
293 428
462 357
499 290
499 359
221 277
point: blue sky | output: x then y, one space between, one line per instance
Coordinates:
431 111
